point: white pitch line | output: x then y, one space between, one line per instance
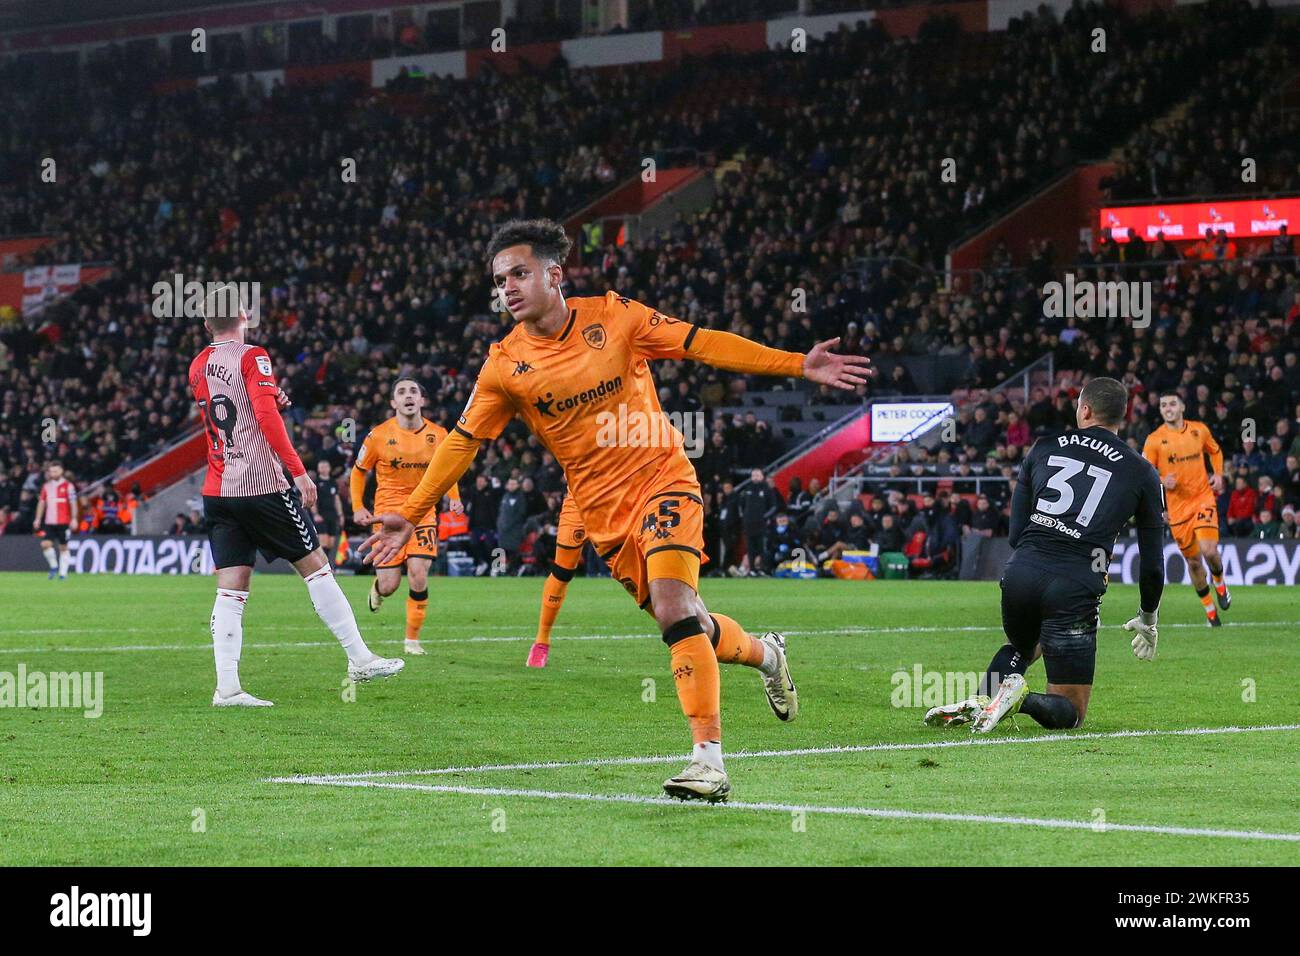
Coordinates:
801 752
515 639
877 812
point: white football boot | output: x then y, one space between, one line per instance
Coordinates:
241 699
374 600
375 667
699 781
779 687
953 715
1010 695
413 648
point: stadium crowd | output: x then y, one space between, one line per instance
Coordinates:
361 276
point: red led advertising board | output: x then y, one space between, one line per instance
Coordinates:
1241 218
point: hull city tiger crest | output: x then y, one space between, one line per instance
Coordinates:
595 336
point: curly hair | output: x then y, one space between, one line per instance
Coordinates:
546 237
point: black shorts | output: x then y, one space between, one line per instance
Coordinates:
58 533
276 524
328 527
1040 605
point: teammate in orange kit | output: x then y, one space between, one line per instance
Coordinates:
569 369
570 538
398 451
1177 450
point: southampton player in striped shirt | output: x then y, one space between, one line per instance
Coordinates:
565 363
56 516
251 508
398 451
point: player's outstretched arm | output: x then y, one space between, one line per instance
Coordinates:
1151 568
825 367
1215 451
357 492
263 395
1020 505
451 459
735 353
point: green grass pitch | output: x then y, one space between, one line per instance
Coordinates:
163 778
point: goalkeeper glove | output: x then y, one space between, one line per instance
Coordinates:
1144 644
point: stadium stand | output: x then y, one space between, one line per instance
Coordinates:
848 206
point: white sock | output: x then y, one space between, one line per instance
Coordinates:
65 559
710 753
333 608
228 638
770 662
52 558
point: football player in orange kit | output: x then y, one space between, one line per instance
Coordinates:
570 537
568 364
1177 450
398 451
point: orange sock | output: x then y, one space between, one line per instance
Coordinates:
1207 602
699 686
734 645
416 604
552 600
1218 583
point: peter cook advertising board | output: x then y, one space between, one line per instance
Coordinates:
1183 221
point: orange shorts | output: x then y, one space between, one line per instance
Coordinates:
1201 524
422 544
667 542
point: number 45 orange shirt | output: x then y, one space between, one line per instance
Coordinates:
588 396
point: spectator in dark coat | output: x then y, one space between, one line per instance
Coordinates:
511 516
783 539
756 504
481 508
890 536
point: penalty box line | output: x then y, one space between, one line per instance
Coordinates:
876 812
370 775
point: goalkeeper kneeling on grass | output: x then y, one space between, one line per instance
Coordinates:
1074 495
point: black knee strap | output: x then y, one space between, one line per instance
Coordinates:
562 574
420 595
686 627
717 632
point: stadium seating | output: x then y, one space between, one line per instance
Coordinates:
361 278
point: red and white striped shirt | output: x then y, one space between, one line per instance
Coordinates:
59 496
248 447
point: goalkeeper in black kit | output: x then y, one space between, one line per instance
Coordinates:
1074 495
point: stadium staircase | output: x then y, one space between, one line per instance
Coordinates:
635 208
183 457
850 477
155 515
